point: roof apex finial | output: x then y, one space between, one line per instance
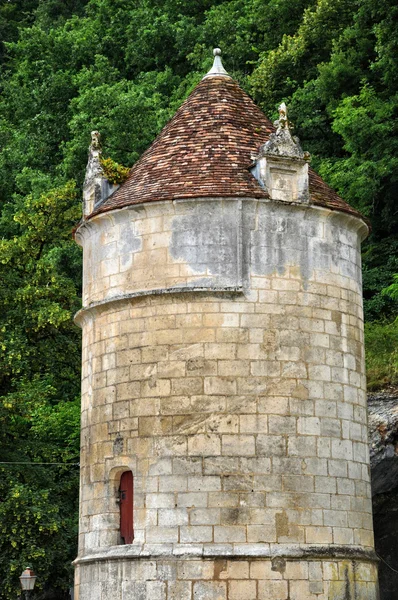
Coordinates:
217 69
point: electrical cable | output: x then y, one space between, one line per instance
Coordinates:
39 463
386 563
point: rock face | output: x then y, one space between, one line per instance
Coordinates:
383 440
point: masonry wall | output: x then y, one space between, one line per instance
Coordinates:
223 364
160 578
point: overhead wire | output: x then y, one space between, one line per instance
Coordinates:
39 463
386 563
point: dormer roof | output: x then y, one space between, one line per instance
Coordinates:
207 149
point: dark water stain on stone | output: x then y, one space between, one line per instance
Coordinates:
118 445
207 239
220 566
337 318
226 241
278 564
286 235
281 524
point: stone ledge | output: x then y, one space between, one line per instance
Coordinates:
230 551
158 292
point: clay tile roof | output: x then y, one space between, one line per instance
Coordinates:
205 151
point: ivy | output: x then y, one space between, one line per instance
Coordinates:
114 172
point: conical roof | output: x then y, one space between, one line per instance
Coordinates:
206 151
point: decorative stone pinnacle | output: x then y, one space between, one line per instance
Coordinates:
96 187
282 143
217 69
95 140
282 122
281 166
94 168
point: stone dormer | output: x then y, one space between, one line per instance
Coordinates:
96 187
281 166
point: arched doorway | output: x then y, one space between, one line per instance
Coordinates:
126 495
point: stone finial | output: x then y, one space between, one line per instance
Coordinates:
96 187
94 157
282 143
282 122
217 69
95 140
281 165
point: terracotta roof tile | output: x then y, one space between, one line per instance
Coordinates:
205 151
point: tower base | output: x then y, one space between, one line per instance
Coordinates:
291 573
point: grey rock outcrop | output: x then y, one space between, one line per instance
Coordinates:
383 442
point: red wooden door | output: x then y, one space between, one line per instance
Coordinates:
126 507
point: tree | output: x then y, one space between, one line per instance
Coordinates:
39 386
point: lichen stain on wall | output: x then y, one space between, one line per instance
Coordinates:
230 239
207 238
287 236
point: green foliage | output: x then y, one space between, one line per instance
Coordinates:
367 173
38 506
123 68
39 383
128 114
14 14
38 297
381 354
392 290
296 58
114 172
380 265
343 99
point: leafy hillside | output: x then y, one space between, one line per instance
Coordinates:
71 66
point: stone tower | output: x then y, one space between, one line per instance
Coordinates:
223 369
